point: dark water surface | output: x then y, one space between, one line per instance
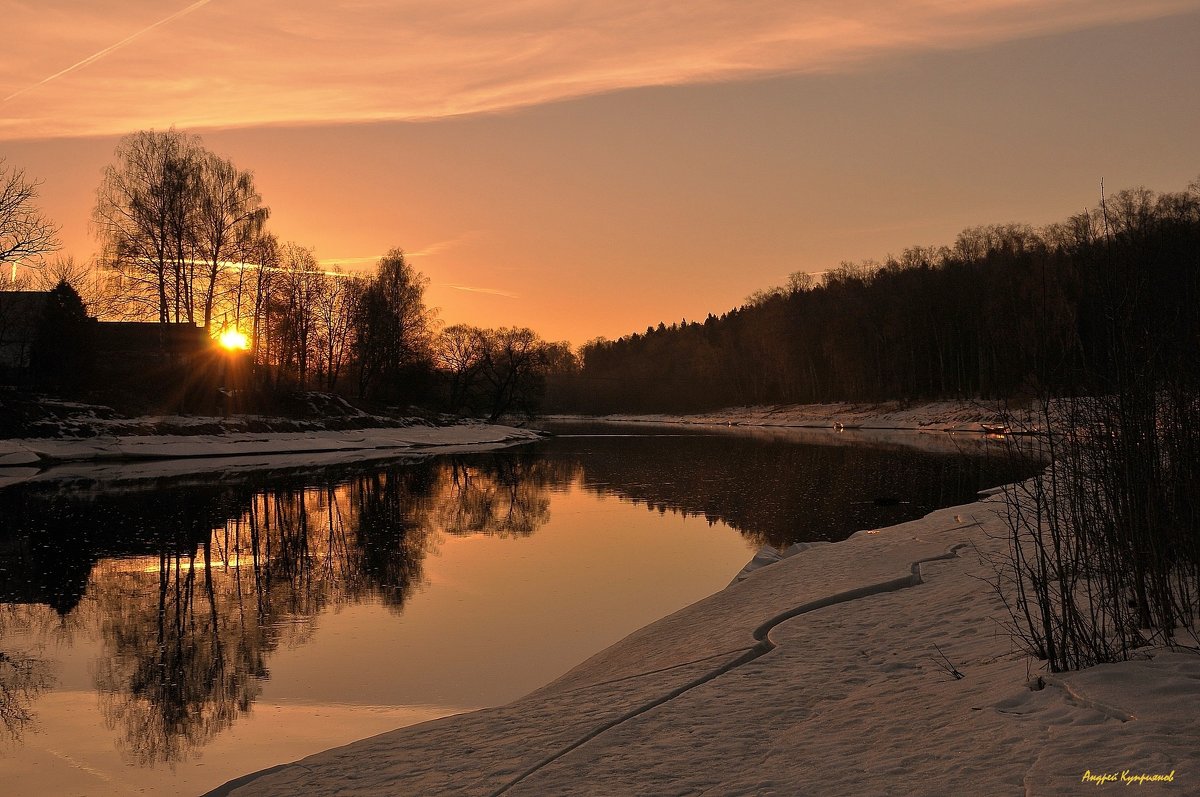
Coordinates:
164 636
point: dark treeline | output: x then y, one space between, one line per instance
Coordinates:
1005 311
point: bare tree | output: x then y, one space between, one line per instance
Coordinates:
334 305
142 218
516 361
228 221
460 355
94 285
26 235
498 370
173 218
263 260
296 287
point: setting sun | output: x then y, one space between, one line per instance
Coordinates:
234 340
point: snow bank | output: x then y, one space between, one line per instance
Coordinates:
151 456
940 416
826 672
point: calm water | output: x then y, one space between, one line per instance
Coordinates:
163 637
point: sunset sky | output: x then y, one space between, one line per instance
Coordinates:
590 168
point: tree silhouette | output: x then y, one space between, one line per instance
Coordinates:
171 217
62 355
499 371
25 233
393 325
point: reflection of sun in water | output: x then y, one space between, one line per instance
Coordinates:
234 340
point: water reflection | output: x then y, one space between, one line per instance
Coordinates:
23 677
190 588
508 498
778 487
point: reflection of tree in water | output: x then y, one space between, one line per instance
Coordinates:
30 617
189 633
505 495
393 533
184 658
188 630
23 675
775 491
22 678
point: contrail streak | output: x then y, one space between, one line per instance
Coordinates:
97 56
491 291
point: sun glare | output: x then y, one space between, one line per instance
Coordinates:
234 340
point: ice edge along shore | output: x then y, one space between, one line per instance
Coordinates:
154 456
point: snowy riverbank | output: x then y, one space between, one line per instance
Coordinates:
129 457
829 672
934 416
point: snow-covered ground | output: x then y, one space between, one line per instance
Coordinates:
829 672
115 458
939 416
106 449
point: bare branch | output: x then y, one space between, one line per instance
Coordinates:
26 235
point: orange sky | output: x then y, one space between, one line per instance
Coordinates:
590 168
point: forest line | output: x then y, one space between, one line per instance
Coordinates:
1006 311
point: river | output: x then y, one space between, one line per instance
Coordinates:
164 636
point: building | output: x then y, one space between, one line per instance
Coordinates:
20 315
143 366
158 367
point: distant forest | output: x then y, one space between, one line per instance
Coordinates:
1006 311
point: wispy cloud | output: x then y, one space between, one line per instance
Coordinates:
437 248
244 63
428 250
473 289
